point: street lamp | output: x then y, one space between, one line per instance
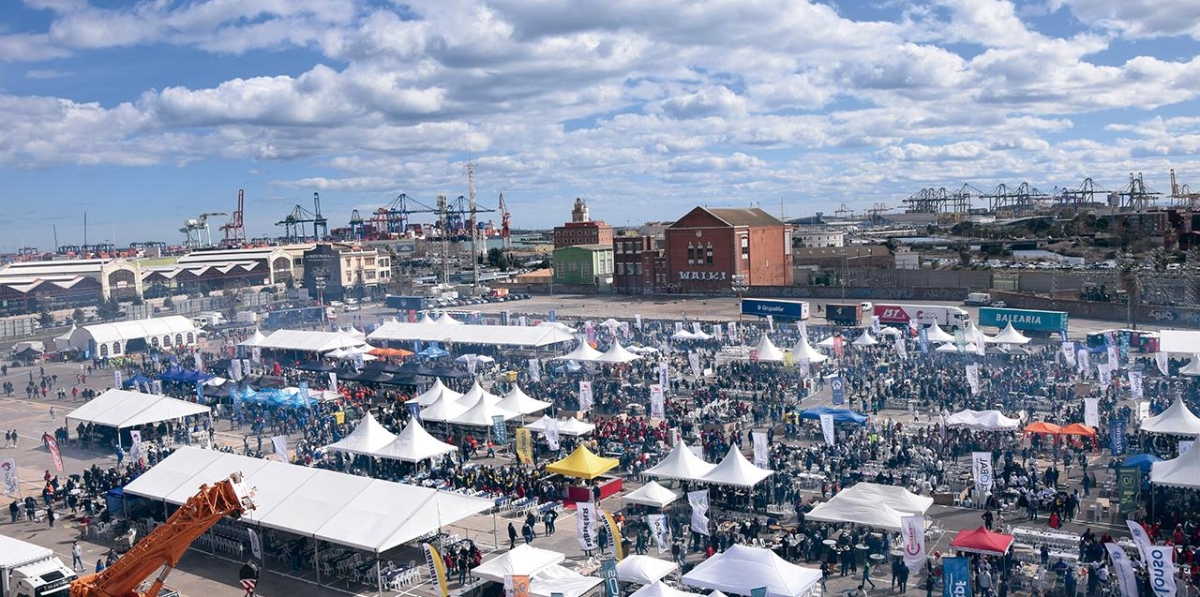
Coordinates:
739 285
320 284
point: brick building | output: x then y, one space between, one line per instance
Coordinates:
709 249
636 259
582 230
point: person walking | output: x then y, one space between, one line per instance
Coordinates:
14 510
248 576
548 519
903 577
77 557
512 536
930 583
602 537
527 533
50 516
866 574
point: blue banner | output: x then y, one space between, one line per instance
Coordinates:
608 571
1063 334
414 410
1116 436
839 390
956 578
923 337
553 315
1123 345
499 431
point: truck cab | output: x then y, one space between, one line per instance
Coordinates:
978 299
44 578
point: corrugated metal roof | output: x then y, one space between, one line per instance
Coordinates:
744 216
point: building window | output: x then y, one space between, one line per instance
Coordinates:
585 270
690 254
639 269
166 340
191 338
787 242
745 246
178 338
103 350
708 257
116 348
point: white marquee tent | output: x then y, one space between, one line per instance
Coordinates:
1192 368
661 589
443 410
582 353
804 351
481 414
520 402
767 351
1009 335
651 494
937 335
982 419
865 339
308 341
735 470
1183 471
434 392
358 512
616 354
121 409
559 580
873 505
969 348
521 560
681 463
414 444
1177 419
741 569
367 438
475 393
644 570
490 335
571 426
1179 341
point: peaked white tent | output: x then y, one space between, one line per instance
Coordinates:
582 353
253 341
482 413
447 319
570 426
367 438
556 579
414 444
1192 368
442 410
827 343
937 335
741 569
681 463
866 339
475 393
767 351
520 402
617 354
644 570
1009 335
425 318
873 505
434 392
521 560
683 335
802 350
987 420
308 341
972 333
734 469
890 332
651 494
121 409
969 348
1177 419
1183 471
660 589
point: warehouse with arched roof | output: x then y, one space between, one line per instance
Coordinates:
122 337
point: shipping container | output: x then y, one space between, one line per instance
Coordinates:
922 314
776 308
843 314
1025 320
406 303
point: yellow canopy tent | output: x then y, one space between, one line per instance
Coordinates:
583 464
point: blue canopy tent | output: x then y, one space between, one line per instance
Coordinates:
137 380
184 375
1142 461
840 415
433 352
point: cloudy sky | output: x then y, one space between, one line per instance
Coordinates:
146 113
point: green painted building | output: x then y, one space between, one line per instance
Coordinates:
589 265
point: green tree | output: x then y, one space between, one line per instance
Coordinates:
109 309
168 303
46 319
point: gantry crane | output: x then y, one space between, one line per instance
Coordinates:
197 232
1083 195
1136 196
294 223
1182 195
235 229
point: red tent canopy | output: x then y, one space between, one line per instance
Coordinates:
982 541
1078 429
1041 427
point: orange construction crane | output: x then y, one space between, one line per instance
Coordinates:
235 229
163 547
504 230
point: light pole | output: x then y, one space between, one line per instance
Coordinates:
320 284
739 286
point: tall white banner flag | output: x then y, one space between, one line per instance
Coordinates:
587 518
694 361
659 529
981 468
1161 564
732 331
535 370
875 326
1136 391
901 348
551 433
716 332
1160 359
135 446
1091 412
117 378
1068 350
827 429
664 375
1104 374
255 544
585 396
1140 539
1126 577
699 503
1083 361
771 322
8 476
637 320
657 410
279 443
762 450
912 537
973 378
1114 361
333 387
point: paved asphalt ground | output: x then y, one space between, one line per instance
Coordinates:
201 575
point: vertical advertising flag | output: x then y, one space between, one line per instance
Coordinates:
875 325
771 322
9 478
956 577
1116 436
694 361
699 503
1128 488
660 531
135 446
837 386
499 431
615 532
789 359
696 329
1091 412
587 517
1126 578
585 396
1104 374
117 378
53 446
637 320
279 443
664 376
973 378
524 446
901 347
827 429
255 544
1136 392
923 339
981 468
804 368
414 410
1160 562
554 316
1068 351
731 331
333 387
839 346
762 451
716 332
608 571
535 370
912 536
1160 359
517 585
1140 538
551 432
657 402
437 568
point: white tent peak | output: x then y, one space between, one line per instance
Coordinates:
434 392
651 494
414 444
582 353
518 401
475 393
368 437
767 351
866 339
681 463
804 351
1181 471
937 335
734 469
1177 419
617 354
443 409
1009 335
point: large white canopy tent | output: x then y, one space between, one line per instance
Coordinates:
661 589
644 570
989 420
308 341
582 353
972 333
872 505
520 560
482 413
767 351
490 335
520 402
1177 419
616 354
443 410
475 393
368 438
681 463
741 569
735 470
110 339
1192 368
937 335
559 580
122 409
803 350
1183 471
1009 335
865 339
572 426
414 444
434 392
368 514
651 494
1179 341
